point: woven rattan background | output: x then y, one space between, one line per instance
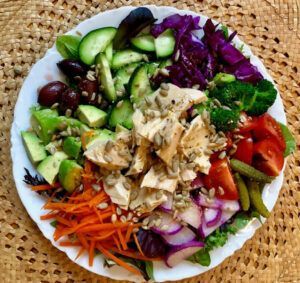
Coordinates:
29 27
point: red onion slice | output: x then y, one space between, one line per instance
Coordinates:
231 205
185 235
192 215
167 226
212 216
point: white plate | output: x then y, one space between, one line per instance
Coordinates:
45 70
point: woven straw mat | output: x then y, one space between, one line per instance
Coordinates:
29 27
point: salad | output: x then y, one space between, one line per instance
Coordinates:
157 145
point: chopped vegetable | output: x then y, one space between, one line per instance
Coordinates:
289 140
256 199
222 79
224 120
67 46
249 171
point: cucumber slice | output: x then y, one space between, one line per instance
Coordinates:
125 57
165 63
109 53
105 77
144 43
122 78
94 42
122 114
152 67
139 84
165 44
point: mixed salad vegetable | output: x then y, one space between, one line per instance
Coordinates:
158 144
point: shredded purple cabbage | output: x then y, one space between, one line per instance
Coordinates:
196 61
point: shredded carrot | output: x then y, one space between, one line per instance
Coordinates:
45 187
83 241
103 237
138 244
70 244
63 221
104 226
116 242
122 240
49 215
80 252
128 233
117 260
91 253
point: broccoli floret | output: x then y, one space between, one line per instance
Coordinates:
221 79
236 94
265 95
224 119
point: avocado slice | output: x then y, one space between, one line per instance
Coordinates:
120 129
72 146
49 167
34 148
91 115
69 174
102 135
44 122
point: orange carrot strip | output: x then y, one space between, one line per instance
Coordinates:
138 244
122 240
49 215
83 240
105 236
117 260
80 252
70 244
91 253
45 187
100 227
63 221
128 233
116 242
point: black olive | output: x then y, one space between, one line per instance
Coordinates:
72 68
151 243
51 93
69 100
89 92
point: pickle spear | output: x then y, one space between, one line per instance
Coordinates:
243 192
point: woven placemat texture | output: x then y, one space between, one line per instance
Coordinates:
29 27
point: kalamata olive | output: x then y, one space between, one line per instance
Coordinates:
51 93
89 92
69 100
152 244
72 68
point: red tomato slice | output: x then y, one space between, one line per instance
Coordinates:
244 150
267 127
248 124
268 157
220 176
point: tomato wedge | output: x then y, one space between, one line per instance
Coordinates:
244 150
248 124
268 157
220 176
267 127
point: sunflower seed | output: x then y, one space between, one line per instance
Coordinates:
243 119
238 103
158 101
119 104
177 55
217 102
204 191
55 105
190 165
178 196
162 178
99 99
91 75
147 100
113 218
68 113
64 133
221 190
93 96
163 93
135 219
222 155
123 219
127 186
211 193
107 158
102 205
96 187
158 222
157 139
133 195
135 230
69 131
129 216
164 72
175 165
164 227
173 175
110 182
118 211
208 151
109 145
164 86
192 157
232 151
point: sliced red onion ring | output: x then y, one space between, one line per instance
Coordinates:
168 225
231 205
185 235
212 216
167 205
204 230
179 253
192 215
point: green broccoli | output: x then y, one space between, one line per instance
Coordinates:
224 119
265 95
235 95
221 79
